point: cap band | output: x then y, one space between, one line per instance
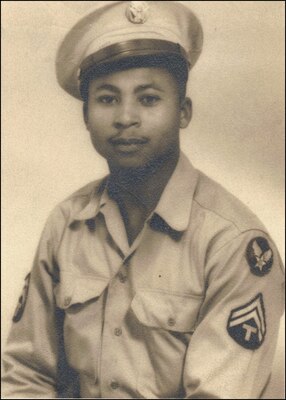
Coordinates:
133 48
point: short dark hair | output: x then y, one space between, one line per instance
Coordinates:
174 64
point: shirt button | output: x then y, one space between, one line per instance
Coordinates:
126 262
122 278
67 301
118 331
171 322
114 385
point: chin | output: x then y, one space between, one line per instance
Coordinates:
139 162
128 165
128 161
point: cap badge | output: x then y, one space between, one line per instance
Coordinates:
137 12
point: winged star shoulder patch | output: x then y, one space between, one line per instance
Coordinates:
247 324
22 300
259 256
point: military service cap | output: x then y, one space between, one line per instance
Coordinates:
121 30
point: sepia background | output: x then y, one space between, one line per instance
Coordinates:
236 135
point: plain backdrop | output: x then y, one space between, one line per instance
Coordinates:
236 135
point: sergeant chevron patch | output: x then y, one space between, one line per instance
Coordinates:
22 300
247 324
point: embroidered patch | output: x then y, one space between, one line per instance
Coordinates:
22 300
137 12
259 256
247 324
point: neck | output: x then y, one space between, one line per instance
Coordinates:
142 187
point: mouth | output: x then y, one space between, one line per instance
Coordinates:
128 145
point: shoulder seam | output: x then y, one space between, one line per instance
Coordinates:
62 233
219 215
240 234
91 186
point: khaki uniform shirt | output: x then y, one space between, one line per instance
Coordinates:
190 310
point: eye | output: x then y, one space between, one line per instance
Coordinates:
149 100
107 99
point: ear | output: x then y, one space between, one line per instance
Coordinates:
186 112
85 113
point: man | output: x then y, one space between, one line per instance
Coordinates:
153 282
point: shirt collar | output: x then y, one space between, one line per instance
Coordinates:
174 206
96 200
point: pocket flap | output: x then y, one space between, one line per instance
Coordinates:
166 310
74 289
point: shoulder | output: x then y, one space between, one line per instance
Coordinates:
232 234
79 199
219 218
63 213
218 203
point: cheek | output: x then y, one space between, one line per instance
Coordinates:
98 123
99 131
165 120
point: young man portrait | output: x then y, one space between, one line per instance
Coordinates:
152 281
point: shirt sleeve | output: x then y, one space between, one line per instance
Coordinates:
34 360
231 351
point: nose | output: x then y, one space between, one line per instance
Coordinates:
126 115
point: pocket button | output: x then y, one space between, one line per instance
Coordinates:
67 301
122 278
118 331
171 322
114 385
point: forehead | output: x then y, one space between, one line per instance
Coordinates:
134 77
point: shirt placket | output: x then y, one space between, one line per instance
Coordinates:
115 336
117 371
115 303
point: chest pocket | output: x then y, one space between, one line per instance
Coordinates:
165 310
80 296
74 289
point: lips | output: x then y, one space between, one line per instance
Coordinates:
128 145
127 141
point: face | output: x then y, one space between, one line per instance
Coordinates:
134 116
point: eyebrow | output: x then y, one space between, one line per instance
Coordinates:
140 88
106 86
